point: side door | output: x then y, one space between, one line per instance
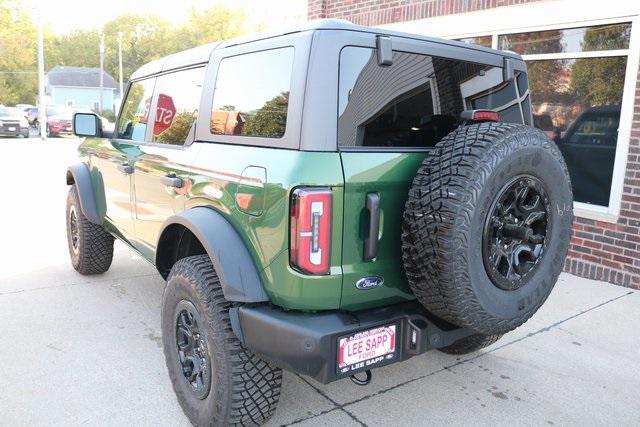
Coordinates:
115 157
389 119
163 165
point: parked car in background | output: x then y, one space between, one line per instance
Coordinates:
32 116
590 140
24 107
13 122
59 120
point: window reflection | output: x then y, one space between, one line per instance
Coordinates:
417 100
251 97
600 37
576 102
484 41
133 120
177 106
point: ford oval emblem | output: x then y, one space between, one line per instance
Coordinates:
369 282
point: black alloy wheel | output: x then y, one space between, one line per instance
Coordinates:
192 348
515 231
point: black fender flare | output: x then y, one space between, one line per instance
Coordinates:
79 175
229 255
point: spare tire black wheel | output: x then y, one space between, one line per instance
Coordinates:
487 226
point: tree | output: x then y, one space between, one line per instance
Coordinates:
215 24
145 37
78 48
18 70
600 81
270 119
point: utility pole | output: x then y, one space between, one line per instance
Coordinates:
120 64
101 71
42 106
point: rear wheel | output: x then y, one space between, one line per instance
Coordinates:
90 245
217 381
487 226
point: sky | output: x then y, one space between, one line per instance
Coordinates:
63 16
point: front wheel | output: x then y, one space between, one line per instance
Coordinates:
216 380
90 245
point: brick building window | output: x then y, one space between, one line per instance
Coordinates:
577 80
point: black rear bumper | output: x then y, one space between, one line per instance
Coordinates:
307 343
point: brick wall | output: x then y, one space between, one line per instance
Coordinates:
378 12
599 250
611 252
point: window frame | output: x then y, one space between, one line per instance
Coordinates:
301 44
154 102
611 212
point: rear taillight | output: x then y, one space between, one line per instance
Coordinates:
310 240
480 116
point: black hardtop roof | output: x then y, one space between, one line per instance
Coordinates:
201 54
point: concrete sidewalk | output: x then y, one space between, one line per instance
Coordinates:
86 350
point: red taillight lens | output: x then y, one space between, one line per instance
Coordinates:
310 241
480 116
486 115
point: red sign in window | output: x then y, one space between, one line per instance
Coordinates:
165 113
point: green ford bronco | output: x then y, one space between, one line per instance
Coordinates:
325 201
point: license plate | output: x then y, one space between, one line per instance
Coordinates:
366 348
12 129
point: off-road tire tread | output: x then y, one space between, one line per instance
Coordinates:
437 219
470 344
96 244
249 385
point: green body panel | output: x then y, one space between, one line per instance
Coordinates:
251 187
223 171
390 176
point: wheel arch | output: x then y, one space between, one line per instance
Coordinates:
80 176
202 230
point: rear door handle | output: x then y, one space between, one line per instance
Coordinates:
125 168
172 181
371 242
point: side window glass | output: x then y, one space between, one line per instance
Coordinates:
416 101
251 96
177 106
132 123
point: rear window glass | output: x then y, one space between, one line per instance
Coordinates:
416 101
251 96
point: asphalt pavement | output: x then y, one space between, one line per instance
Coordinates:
82 350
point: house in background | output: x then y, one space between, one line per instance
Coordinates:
80 87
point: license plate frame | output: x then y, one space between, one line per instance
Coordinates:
347 368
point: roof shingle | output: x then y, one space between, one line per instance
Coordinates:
79 77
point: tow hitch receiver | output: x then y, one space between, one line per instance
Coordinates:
365 381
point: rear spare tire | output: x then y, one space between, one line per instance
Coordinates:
487 226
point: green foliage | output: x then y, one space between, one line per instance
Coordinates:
270 119
18 78
145 37
179 129
599 81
